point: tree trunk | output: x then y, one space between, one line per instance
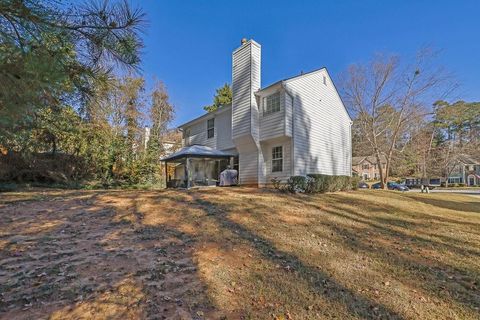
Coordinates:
380 169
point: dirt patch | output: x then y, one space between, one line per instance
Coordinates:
79 256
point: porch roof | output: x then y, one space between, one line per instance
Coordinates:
198 151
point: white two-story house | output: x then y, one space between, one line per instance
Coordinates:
295 126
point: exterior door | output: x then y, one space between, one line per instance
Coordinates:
471 180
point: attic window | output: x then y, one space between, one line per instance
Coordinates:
324 80
210 128
271 103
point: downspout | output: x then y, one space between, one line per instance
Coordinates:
292 165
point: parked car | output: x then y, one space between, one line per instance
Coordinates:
391 186
363 185
431 183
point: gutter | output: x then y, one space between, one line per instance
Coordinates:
293 129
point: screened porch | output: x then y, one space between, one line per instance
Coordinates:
196 166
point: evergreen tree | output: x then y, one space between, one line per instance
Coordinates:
222 97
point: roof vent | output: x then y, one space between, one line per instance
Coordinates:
244 40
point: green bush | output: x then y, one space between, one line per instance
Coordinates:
298 184
324 183
318 183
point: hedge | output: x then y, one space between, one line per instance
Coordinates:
319 183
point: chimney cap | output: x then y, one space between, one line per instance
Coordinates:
244 40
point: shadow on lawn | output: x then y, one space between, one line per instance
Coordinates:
321 282
95 261
446 281
386 225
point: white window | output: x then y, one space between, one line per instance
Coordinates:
365 166
210 128
277 159
271 103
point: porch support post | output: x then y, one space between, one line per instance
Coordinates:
166 175
187 180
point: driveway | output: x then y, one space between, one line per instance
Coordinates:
473 191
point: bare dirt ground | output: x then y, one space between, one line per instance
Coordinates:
238 254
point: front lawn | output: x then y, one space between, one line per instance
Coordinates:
239 253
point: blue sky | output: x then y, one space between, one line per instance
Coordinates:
188 43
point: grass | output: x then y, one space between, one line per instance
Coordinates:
239 253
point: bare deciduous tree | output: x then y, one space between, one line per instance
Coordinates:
388 98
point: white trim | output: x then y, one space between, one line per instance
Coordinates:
272 159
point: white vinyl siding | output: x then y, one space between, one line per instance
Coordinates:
288 114
198 135
245 82
322 135
248 156
223 130
272 125
197 132
245 113
267 148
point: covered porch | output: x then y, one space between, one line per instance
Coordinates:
196 166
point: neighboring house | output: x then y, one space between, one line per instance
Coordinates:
292 127
171 140
367 168
465 170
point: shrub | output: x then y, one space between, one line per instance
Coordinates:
276 183
298 184
325 183
318 183
354 181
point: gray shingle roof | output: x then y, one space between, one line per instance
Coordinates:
198 151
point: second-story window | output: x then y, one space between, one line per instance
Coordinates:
210 128
277 159
271 103
365 166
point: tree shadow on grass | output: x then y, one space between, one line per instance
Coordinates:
95 260
413 215
438 279
384 226
320 281
447 281
444 281
465 206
